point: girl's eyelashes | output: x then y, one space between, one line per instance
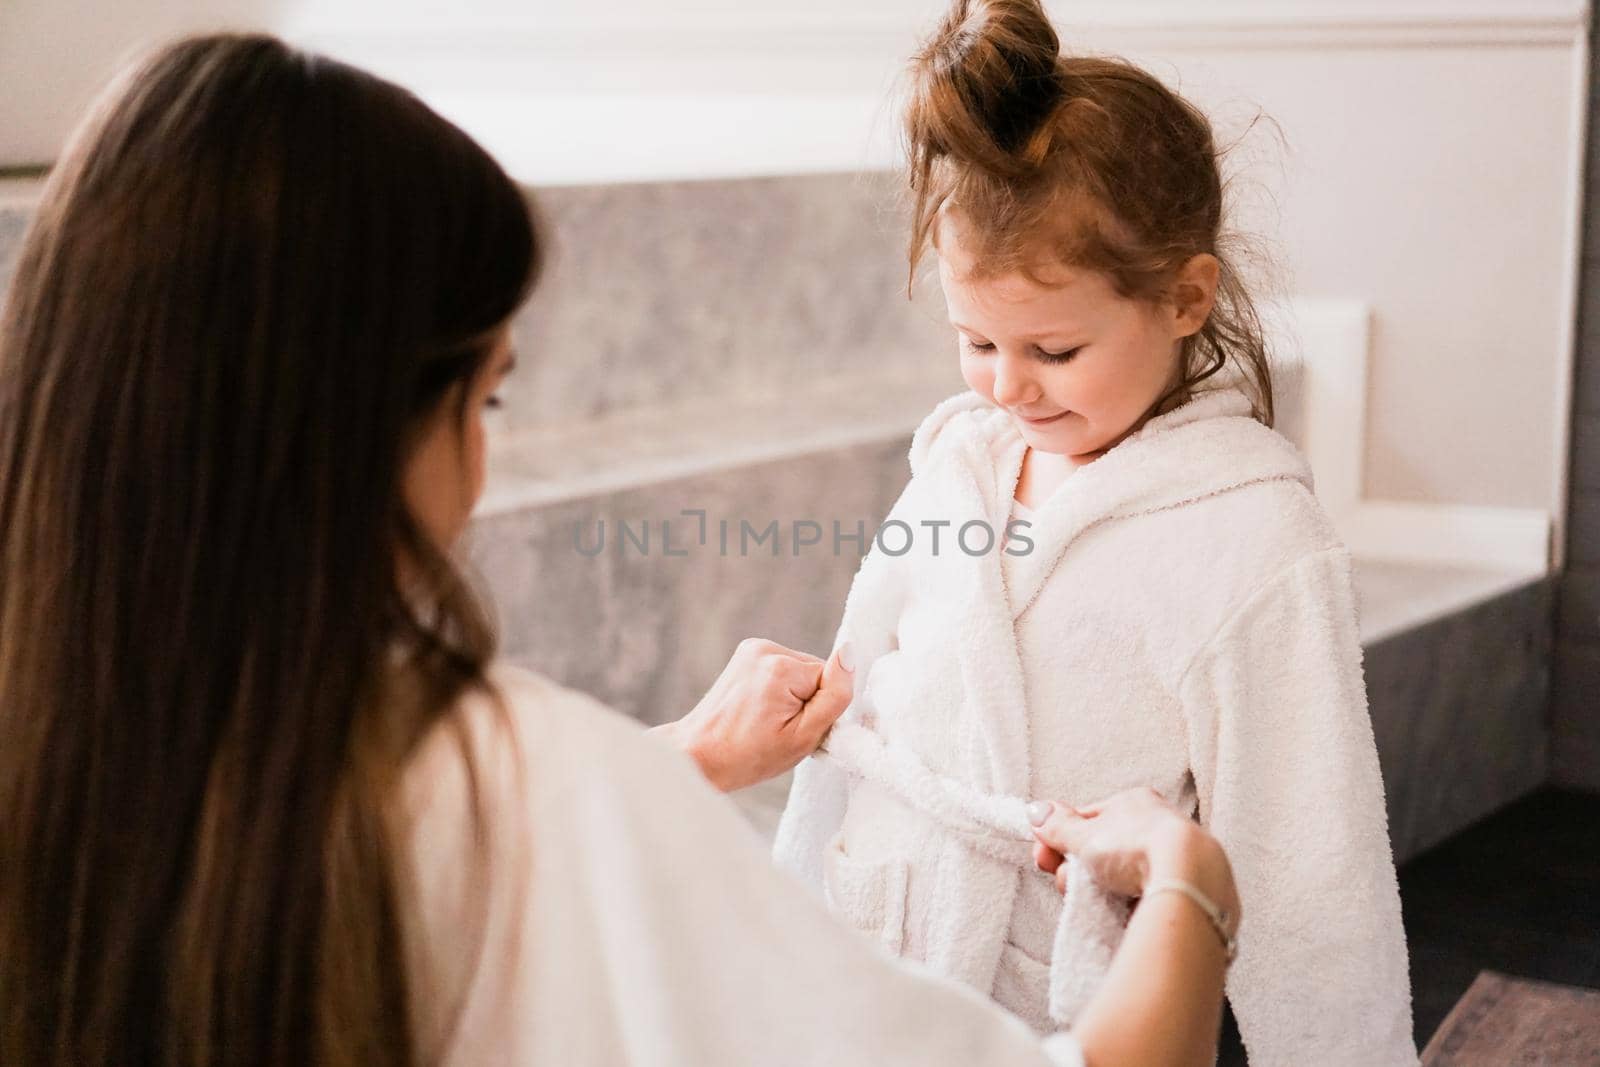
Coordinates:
1058 357
1047 357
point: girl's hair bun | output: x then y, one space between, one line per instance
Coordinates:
984 86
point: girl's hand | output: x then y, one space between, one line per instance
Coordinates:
1130 839
768 710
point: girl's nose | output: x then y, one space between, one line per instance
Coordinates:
1012 385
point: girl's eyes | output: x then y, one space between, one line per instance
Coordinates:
494 403
1047 357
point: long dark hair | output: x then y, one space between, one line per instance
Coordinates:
253 277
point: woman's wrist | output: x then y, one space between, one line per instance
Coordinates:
1186 853
672 733
1187 861
685 740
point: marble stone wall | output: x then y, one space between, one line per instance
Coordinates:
1458 713
13 221
1575 700
660 294
648 631
664 294
688 297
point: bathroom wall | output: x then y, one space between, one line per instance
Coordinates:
1575 705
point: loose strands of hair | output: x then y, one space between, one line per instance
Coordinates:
1074 160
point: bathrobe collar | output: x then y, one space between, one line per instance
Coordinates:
1208 446
970 453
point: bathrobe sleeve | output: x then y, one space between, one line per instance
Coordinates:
814 812
1286 770
820 791
645 926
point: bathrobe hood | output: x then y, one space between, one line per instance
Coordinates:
968 453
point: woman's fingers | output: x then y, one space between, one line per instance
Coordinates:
1114 838
795 679
766 711
830 699
1063 830
786 677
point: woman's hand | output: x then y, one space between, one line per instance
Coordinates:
1129 840
1161 1001
768 710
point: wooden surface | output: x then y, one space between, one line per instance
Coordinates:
1508 1022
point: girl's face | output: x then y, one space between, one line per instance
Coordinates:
446 473
1078 366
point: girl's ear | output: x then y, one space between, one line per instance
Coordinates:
1194 291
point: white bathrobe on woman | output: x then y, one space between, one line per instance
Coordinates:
1184 620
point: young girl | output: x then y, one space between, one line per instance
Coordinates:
1177 613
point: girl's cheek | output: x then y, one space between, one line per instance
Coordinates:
1069 386
976 376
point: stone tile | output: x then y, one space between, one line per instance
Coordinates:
657 293
1591 181
661 293
1575 716
1586 374
1583 530
1393 687
1586 449
1394 597
648 632
537 466
13 224
1578 606
1458 710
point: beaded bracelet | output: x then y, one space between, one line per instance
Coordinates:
1218 916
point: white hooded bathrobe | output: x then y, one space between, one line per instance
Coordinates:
1180 615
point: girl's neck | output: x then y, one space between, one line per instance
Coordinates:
1042 474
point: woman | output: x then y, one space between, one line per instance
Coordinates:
265 798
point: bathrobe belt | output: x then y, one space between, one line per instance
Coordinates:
993 825
1091 921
